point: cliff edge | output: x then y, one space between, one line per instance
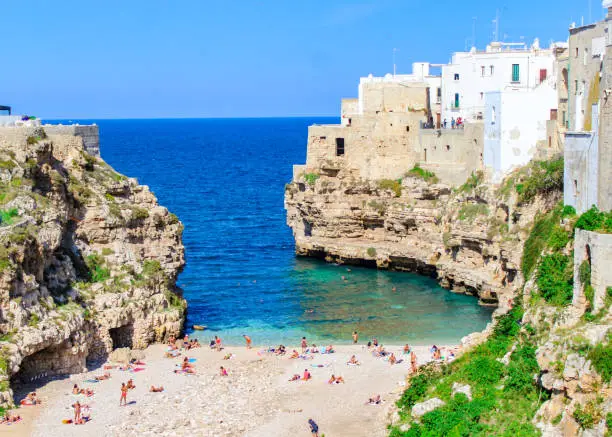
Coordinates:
88 260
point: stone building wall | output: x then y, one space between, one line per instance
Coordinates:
597 249
64 136
604 195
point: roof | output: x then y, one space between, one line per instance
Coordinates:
5 108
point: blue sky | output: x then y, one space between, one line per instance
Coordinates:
223 58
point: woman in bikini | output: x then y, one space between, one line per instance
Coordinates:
124 391
223 371
353 361
154 389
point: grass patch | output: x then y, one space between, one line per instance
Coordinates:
470 211
97 271
538 240
596 221
475 179
420 173
540 177
393 185
601 358
555 279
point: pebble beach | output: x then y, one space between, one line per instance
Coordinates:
256 399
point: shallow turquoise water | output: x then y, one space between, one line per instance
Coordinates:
225 180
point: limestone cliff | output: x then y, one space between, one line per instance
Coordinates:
88 260
469 238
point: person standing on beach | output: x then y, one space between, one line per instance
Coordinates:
355 337
218 343
124 391
413 362
77 412
304 345
248 341
314 428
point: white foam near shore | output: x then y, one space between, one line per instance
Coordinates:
255 400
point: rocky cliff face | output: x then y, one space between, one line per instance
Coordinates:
88 261
470 238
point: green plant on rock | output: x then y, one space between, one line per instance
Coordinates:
139 213
380 207
33 320
420 173
371 252
473 181
588 415
601 358
595 220
97 271
470 211
558 238
7 217
541 177
538 240
393 185
555 278
311 178
172 219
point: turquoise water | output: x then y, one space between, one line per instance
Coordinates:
225 180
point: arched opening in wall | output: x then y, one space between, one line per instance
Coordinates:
407 128
122 336
447 147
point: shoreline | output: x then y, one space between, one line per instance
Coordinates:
256 399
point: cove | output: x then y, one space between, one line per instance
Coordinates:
225 178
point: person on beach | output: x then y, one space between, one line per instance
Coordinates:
124 392
353 361
314 428
77 412
295 377
218 344
186 342
376 400
130 384
413 362
329 349
223 371
406 350
85 414
304 344
313 349
248 341
295 354
9 418
375 342
335 380
355 337
392 359
307 376
154 389
103 377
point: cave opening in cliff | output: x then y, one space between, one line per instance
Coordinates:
122 336
51 361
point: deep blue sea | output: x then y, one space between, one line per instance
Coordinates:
225 178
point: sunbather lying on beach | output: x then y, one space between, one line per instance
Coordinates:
228 356
335 380
10 418
81 391
353 361
295 377
130 384
374 401
103 377
294 354
313 349
126 367
329 350
31 399
154 389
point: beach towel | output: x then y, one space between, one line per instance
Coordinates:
192 360
91 380
138 369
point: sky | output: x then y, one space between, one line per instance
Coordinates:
239 58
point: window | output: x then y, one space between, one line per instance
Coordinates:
350 120
516 73
439 95
492 70
339 146
493 115
482 70
543 74
586 56
481 95
425 156
576 87
456 76
407 128
456 100
447 147
322 138
576 51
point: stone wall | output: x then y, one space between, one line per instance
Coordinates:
596 248
67 137
452 154
604 195
394 97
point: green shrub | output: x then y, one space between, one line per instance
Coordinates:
417 389
522 368
97 273
588 415
542 177
151 268
33 321
426 175
595 220
472 182
393 185
538 240
371 251
557 419
568 211
470 211
172 219
558 238
7 217
107 251
378 206
484 370
601 358
311 178
139 213
555 278
31 140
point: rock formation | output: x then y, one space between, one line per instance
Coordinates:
88 261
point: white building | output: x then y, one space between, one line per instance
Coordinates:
471 75
514 122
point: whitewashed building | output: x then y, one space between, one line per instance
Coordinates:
471 75
515 121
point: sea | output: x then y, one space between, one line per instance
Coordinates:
224 179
